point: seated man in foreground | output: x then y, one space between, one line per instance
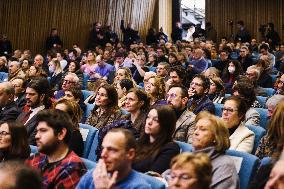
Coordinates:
114 169
60 167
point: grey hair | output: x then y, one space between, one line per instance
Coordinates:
8 88
274 100
255 69
75 78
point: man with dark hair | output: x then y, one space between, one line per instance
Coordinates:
8 108
20 87
161 55
177 97
177 32
198 99
114 167
242 35
53 41
59 166
37 99
271 36
264 51
16 175
224 60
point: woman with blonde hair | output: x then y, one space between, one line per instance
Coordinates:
156 90
190 171
90 63
74 111
275 132
55 74
212 137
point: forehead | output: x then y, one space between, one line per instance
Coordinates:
43 125
30 90
203 122
197 80
17 81
175 90
69 77
153 113
4 127
120 71
230 103
132 95
102 90
114 140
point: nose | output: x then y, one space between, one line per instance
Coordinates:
104 153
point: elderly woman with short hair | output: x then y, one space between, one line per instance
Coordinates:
212 137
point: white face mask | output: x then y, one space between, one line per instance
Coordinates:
231 69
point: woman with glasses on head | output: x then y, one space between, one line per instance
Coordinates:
233 114
156 90
212 137
190 171
156 147
106 109
74 111
14 143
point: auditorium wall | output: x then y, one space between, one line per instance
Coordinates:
253 12
28 22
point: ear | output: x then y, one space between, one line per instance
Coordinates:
42 97
124 90
131 154
184 100
61 135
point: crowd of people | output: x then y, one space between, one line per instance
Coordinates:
146 97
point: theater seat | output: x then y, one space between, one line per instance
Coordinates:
218 109
155 183
269 91
3 77
246 165
85 80
262 100
259 132
185 147
89 164
88 133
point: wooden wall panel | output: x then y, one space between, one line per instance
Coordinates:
28 22
252 12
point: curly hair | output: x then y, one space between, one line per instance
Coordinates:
160 86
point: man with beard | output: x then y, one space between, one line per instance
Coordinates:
37 99
60 167
198 99
114 168
177 97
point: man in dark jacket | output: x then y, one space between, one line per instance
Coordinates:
129 34
177 32
9 110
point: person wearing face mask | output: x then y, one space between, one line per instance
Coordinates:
230 73
55 74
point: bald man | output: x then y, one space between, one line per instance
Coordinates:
9 110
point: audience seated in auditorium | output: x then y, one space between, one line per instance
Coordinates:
233 114
14 141
62 61
155 147
190 171
60 167
15 175
114 168
37 97
9 108
212 137
106 109
275 132
197 92
177 97
102 70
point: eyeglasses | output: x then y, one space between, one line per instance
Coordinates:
281 82
229 110
4 133
68 82
197 84
249 74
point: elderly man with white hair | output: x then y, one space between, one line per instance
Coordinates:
15 70
71 79
253 73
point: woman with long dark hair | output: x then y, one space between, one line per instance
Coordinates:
156 147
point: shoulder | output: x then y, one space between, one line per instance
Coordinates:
86 182
171 146
134 181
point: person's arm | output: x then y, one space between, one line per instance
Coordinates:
247 144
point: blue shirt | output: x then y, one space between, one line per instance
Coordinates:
104 70
133 181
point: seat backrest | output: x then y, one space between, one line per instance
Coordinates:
89 164
259 132
261 100
269 91
3 77
185 147
274 77
92 153
248 166
263 117
87 93
88 133
155 183
89 108
218 109
33 149
85 80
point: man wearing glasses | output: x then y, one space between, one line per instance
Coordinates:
197 92
70 79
